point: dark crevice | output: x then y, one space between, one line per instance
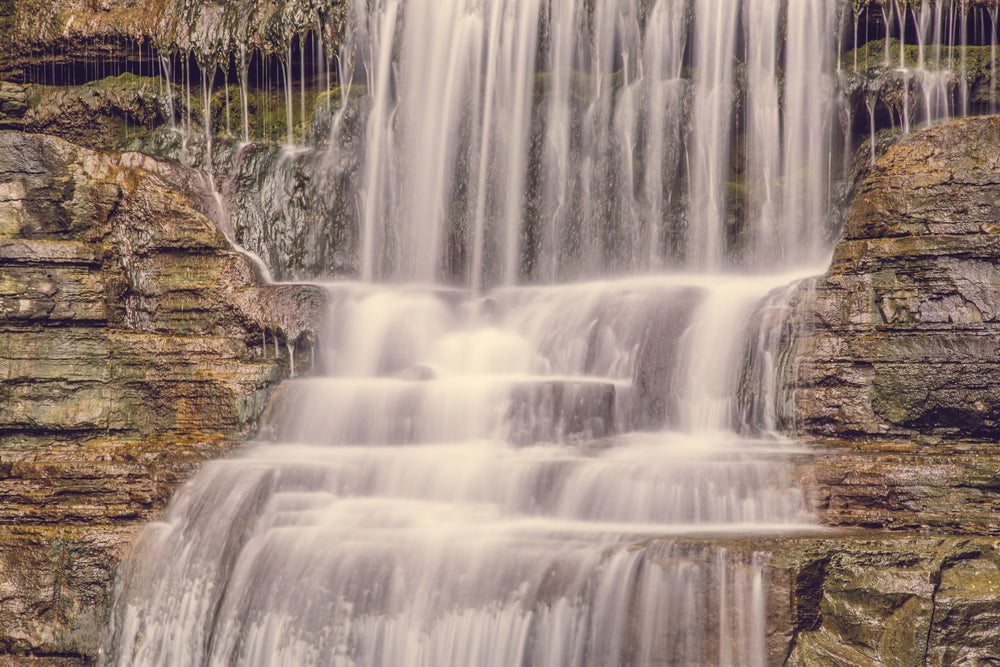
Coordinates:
930 624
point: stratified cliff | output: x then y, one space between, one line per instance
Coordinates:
895 378
131 349
905 342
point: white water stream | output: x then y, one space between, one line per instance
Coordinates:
491 474
465 487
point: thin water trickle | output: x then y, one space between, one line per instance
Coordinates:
244 93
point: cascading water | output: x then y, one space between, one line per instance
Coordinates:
491 466
569 153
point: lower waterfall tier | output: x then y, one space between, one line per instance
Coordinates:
464 554
466 487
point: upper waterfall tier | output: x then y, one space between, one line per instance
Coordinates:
522 140
487 144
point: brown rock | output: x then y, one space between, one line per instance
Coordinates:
902 333
130 351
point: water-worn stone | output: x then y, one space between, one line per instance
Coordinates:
902 330
899 601
131 350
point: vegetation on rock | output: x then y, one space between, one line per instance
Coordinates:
135 342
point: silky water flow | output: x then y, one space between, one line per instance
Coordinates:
494 469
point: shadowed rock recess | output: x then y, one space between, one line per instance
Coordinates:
136 343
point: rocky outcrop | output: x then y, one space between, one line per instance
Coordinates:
851 599
902 338
866 600
42 38
896 376
135 343
104 114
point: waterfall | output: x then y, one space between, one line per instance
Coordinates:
561 154
808 124
564 355
715 35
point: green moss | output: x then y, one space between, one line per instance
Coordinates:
872 56
127 80
105 113
335 96
267 113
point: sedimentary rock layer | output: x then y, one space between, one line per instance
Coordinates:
131 349
902 332
42 33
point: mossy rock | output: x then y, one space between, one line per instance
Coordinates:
102 114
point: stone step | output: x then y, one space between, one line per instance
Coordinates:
559 410
904 486
401 410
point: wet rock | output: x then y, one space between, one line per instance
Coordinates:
297 209
54 583
131 350
904 325
104 114
898 601
657 363
65 38
858 599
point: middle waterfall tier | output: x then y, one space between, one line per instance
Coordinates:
543 364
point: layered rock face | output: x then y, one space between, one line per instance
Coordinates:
134 344
63 36
895 374
904 343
